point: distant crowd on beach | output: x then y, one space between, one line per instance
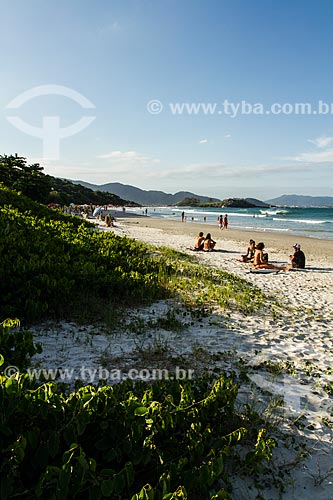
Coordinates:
255 255
222 221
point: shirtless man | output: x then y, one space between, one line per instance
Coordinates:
260 263
199 242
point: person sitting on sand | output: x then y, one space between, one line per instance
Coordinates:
199 242
209 244
259 261
250 252
298 258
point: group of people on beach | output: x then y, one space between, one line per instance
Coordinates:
255 255
204 243
223 221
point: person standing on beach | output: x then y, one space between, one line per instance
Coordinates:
183 216
225 222
220 221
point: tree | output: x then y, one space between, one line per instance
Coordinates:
28 179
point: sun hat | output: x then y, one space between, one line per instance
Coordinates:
295 246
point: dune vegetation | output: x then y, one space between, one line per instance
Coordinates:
172 439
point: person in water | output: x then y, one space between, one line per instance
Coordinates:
199 242
209 244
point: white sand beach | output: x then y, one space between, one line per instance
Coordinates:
288 357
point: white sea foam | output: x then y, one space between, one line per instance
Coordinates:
304 221
273 212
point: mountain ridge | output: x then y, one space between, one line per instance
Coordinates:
142 196
302 201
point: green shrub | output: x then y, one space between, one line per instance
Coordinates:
16 347
51 264
126 441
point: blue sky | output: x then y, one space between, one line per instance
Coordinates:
120 55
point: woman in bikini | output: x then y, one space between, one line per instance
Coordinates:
250 252
209 244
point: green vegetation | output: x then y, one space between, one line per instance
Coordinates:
188 202
31 181
170 440
201 286
18 348
228 202
53 265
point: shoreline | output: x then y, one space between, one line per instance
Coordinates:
291 221
315 249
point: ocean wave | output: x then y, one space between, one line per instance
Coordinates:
304 221
262 229
274 212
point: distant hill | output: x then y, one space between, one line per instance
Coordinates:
229 202
30 180
297 200
258 203
142 196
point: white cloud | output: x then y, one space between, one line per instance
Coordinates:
315 156
322 142
220 171
203 141
322 154
128 156
227 136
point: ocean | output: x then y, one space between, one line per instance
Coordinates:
311 222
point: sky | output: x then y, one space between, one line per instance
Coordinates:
223 98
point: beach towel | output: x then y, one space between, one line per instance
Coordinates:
265 271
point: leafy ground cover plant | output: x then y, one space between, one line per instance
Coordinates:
173 439
51 265
16 347
203 286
